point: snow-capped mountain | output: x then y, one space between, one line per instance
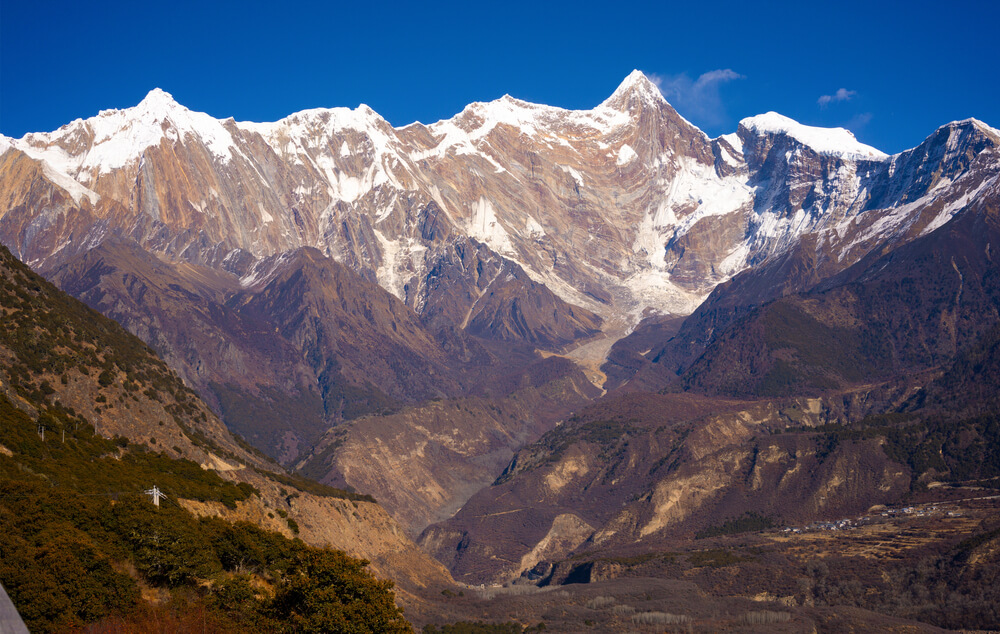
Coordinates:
618 209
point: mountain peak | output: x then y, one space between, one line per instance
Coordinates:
635 88
637 80
957 138
972 124
158 101
120 136
835 141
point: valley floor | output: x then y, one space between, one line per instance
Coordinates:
892 570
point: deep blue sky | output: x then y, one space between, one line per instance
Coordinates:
903 68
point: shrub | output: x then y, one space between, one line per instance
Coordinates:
600 602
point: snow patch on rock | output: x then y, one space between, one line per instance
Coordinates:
626 155
486 227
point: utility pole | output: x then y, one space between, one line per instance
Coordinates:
157 494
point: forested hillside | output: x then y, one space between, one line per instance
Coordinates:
89 420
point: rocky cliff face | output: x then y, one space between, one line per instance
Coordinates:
644 471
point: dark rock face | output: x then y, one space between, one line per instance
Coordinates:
494 299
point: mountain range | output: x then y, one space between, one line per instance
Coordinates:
616 209
535 334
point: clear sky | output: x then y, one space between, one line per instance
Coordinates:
891 72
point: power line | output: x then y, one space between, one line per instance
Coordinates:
157 495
